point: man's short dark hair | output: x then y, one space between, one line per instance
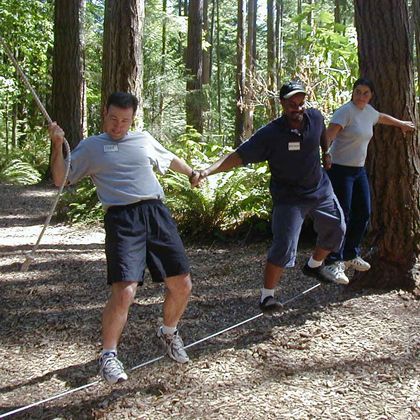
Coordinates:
123 100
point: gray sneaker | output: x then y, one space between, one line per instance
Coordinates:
111 369
173 346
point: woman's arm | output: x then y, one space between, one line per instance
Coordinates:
403 125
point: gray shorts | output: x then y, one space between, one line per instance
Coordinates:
139 235
287 223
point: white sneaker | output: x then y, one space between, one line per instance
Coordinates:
174 346
111 369
358 263
335 273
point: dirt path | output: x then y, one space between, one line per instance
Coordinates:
334 354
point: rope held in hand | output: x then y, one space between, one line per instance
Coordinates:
30 256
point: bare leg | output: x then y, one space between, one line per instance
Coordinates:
272 275
178 290
115 314
320 254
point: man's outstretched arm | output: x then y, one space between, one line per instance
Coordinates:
58 165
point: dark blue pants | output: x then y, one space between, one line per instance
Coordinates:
351 186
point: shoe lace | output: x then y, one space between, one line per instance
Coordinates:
177 344
112 366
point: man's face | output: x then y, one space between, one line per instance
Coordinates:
117 121
293 107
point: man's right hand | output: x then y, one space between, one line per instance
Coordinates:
56 134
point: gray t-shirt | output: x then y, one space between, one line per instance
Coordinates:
349 148
122 170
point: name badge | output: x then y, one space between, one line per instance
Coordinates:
294 146
110 148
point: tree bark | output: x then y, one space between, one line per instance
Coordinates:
66 101
393 161
250 68
279 38
240 76
122 68
416 28
206 51
271 61
194 66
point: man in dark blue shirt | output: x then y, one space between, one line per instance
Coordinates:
299 187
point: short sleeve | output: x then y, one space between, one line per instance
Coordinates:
256 148
79 163
341 117
160 157
375 114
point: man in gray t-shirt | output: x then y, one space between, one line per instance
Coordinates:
140 231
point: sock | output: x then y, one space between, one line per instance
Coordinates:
314 263
266 292
168 330
108 351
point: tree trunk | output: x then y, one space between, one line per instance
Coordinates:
122 68
310 14
83 102
250 68
240 76
393 161
66 101
279 38
194 66
206 51
219 70
416 28
271 58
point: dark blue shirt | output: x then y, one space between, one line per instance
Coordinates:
293 158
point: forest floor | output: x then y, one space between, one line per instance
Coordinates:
334 353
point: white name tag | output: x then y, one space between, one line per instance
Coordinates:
294 145
110 148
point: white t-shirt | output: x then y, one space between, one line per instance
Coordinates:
349 148
122 170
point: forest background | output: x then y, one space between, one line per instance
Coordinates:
207 74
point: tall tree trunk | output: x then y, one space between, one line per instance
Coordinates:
211 39
310 14
6 125
83 93
219 70
279 38
122 68
416 28
271 61
194 66
207 36
250 68
240 76
394 161
14 126
163 61
67 84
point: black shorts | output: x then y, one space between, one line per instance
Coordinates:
139 235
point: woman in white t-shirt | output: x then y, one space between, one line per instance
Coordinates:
351 129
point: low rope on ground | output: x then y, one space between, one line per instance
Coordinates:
149 362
